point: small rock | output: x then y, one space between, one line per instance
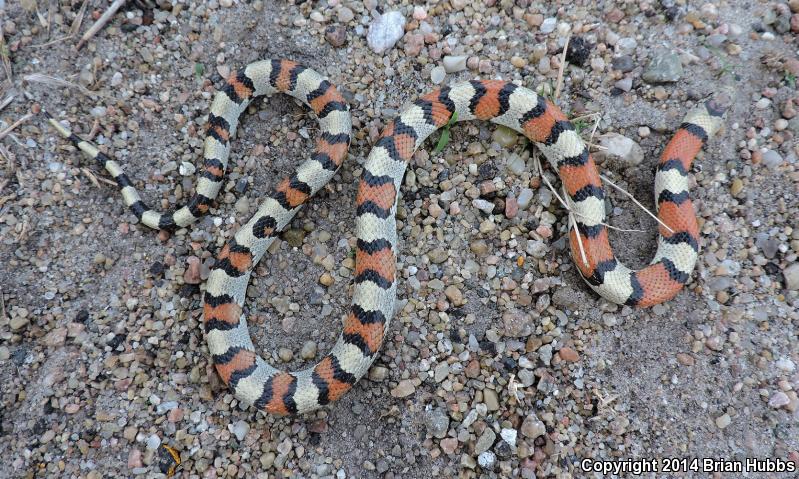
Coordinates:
440 255
285 354
336 35
685 359
487 459
454 64
441 372
525 197
437 75
437 422
772 159
505 136
625 84
449 445
509 436
511 207
533 427
791 274
569 355
134 459
623 63
778 400
403 389
239 429
193 267
153 442
385 31
490 399
723 421
17 322
548 25
664 68
308 350
454 295
485 441
621 147
345 15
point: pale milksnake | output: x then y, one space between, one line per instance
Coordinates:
251 378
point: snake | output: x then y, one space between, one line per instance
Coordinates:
253 380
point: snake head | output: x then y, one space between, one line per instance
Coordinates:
719 103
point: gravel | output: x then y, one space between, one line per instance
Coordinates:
500 362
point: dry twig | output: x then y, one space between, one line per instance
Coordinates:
22 120
100 23
559 83
55 81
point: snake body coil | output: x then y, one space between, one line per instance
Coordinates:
256 382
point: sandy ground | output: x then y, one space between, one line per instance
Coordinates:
101 350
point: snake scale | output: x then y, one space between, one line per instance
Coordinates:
253 380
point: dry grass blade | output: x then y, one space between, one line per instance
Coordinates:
565 201
6 57
91 177
51 42
3 306
6 102
75 27
559 83
100 23
54 81
605 178
22 120
96 180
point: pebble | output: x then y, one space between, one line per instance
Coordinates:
153 441
621 147
483 205
491 399
569 354
723 421
791 274
664 68
487 459
623 63
778 400
239 429
509 436
548 26
533 427
285 354
449 445
454 63
345 15
485 441
192 274
336 35
437 75
385 30
308 350
437 422
525 197
403 389
772 159
625 84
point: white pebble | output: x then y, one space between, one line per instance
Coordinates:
437 75
385 31
453 64
239 429
548 26
153 442
186 168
